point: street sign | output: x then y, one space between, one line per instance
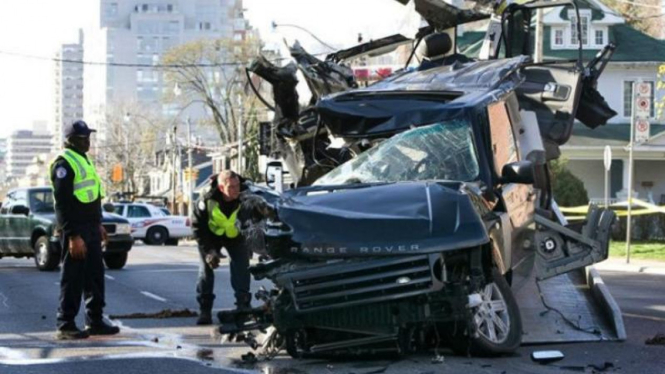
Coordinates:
644 89
642 129
642 107
607 157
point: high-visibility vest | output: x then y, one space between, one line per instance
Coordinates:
87 184
220 224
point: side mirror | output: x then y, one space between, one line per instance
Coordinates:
518 172
108 207
20 210
274 175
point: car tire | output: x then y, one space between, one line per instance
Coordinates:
45 259
115 261
156 236
172 242
492 339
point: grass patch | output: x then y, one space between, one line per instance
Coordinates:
645 251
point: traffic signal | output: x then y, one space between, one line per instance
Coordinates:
116 173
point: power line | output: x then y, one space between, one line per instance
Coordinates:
133 65
120 64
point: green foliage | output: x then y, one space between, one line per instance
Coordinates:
568 190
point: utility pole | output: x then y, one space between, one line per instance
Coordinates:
175 170
190 151
240 135
538 53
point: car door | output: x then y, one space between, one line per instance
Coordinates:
20 223
551 89
4 226
137 215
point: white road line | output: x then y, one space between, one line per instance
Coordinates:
108 277
153 296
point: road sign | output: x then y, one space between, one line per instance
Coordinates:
607 157
642 107
644 89
642 129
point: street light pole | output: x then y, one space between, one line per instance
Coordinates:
240 135
276 25
127 118
190 206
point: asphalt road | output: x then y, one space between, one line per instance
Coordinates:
159 278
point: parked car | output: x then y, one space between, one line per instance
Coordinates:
152 225
430 188
27 225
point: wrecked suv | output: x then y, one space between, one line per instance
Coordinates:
439 187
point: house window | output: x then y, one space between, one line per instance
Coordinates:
600 37
584 24
628 98
558 37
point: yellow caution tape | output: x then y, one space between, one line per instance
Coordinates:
648 209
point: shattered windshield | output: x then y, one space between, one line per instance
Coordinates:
442 151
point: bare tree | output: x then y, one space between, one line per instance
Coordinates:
134 134
212 72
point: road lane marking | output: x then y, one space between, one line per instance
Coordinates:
108 277
658 319
153 296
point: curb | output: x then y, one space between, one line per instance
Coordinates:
632 268
606 301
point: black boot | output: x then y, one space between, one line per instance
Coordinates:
205 317
244 302
71 332
102 328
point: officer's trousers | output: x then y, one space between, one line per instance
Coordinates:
82 278
240 276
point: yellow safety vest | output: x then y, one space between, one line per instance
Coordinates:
220 224
87 184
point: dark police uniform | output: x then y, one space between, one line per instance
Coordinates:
76 218
210 243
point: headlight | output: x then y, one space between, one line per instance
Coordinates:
123 228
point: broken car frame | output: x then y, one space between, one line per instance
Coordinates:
430 188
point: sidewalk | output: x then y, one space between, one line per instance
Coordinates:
635 266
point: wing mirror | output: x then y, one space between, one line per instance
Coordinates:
20 210
108 208
518 172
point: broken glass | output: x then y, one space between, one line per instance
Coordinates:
441 151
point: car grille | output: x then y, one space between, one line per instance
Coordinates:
351 283
110 228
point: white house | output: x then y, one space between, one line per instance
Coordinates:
637 57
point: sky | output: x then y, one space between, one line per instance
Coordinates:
39 27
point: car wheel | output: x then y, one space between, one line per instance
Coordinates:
496 320
45 259
157 236
172 242
115 261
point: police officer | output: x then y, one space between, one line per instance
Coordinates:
78 193
214 226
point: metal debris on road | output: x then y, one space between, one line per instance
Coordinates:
166 313
659 339
205 354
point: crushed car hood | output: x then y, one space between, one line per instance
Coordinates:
376 220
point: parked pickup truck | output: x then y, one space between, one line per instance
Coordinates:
27 221
152 225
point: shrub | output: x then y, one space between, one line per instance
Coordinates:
568 190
